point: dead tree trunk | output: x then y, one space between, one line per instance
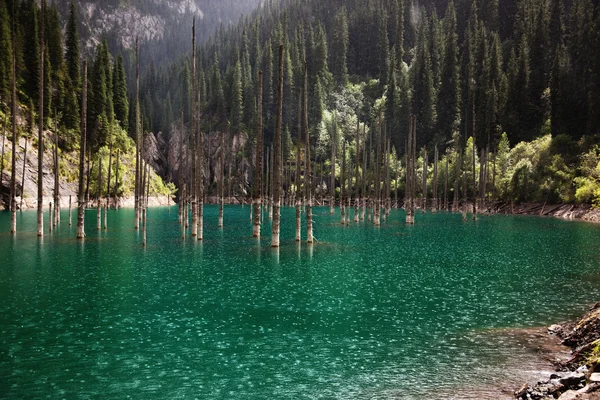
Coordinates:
424 197
200 170
194 136
434 205
364 177
258 167
82 152
297 175
116 193
221 185
456 198
343 183
99 195
57 206
137 190
40 172
13 172
376 197
23 172
356 198
309 220
333 156
446 177
277 157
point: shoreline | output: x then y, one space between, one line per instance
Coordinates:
578 376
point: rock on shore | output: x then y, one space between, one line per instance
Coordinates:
579 377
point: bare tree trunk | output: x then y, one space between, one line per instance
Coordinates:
194 136
13 173
474 152
376 197
116 194
424 197
309 217
446 177
397 177
110 154
333 156
23 173
388 185
99 195
137 135
465 205
271 180
200 171
343 183
57 206
70 210
82 152
455 199
258 168
277 158
356 202
40 173
297 175
409 174
3 148
50 216
434 206
494 178
364 177
222 180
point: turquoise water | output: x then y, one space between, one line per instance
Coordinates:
364 313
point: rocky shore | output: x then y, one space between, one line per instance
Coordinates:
577 378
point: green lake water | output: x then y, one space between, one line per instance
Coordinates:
365 313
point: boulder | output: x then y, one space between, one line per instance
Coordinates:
569 395
595 377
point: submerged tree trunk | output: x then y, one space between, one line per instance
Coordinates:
116 193
13 171
364 177
333 156
194 136
137 188
277 157
356 199
456 198
446 177
258 168
57 206
309 219
221 179
297 175
3 149
99 195
23 171
343 183
424 198
200 171
40 172
376 197
434 205
82 151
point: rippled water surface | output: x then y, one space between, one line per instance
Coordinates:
364 313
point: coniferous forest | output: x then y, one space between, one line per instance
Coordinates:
505 93
394 131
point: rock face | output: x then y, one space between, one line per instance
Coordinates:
578 379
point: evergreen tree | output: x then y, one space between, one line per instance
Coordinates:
423 100
120 100
31 48
449 93
236 101
6 54
339 46
73 77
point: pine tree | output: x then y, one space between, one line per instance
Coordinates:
120 98
449 94
6 54
73 78
423 101
31 50
237 106
339 47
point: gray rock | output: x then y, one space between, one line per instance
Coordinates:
568 395
595 377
